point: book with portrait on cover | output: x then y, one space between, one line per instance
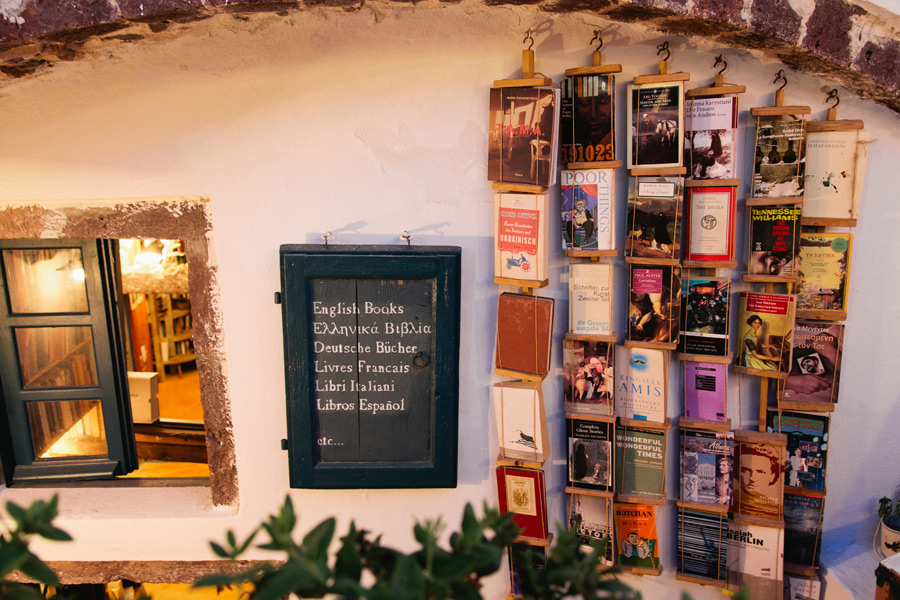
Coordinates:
655 125
587 118
588 209
815 372
766 323
589 518
710 138
523 137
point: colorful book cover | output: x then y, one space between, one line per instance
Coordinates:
587 209
707 464
705 309
654 308
755 559
641 383
636 535
766 324
835 167
587 117
640 462
710 223
760 481
523 139
590 309
590 454
521 229
710 137
824 271
522 493
802 529
705 391
588 377
589 518
524 331
798 587
655 125
815 362
807 447
778 169
701 544
521 420
654 217
774 240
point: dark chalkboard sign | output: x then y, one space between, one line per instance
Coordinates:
371 347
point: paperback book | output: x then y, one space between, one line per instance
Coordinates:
824 272
521 420
755 559
523 140
815 362
590 519
707 464
802 529
522 493
640 462
774 240
641 383
797 587
655 124
588 209
807 447
835 169
710 223
587 118
590 454
636 535
780 159
522 555
521 242
701 544
654 308
653 225
705 391
704 315
588 376
524 331
767 322
760 481
710 137
590 309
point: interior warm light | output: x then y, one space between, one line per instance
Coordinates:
147 260
77 275
85 437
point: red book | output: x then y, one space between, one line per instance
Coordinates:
524 329
522 493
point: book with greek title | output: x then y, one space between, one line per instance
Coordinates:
701 544
640 462
655 125
707 464
589 454
778 168
815 372
835 169
653 222
755 559
588 377
523 137
705 391
710 223
590 309
590 519
522 493
587 118
759 484
654 309
710 137
521 420
824 273
705 310
521 228
588 209
766 323
803 529
774 241
807 447
641 383
636 539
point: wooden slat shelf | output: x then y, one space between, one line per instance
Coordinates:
531 82
839 125
767 201
651 345
654 171
637 260
779 111
641 424
700 580
518 187
591 417
816 407
509 461
826 222
760 372
789 489
709 264
632 499
584 492
740 519
522 283
655 572
594 70
665 78
519 375
599 164
704 424
719 509
592 253
718 360
612 338
542 542
768 278
760 437
695 183
821 315
715 90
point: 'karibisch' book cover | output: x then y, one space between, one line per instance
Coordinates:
521 420
587 118
824 271
641 383
523 139
590 517
766 323
640 462
755 559
705 391
521 228
835 168
710 223
588 210
655 125
707 464
774 240
710 136
590 454
701 544
637 543
704 315
590 306
807 446
802 529
588 377
815 362
760 482
653 225
780 159
654 309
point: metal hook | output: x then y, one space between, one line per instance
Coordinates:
327 236
598 38
780 75
664 47
405 236
833 95
528 37
721 59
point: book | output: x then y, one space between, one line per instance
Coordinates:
815 362
701 544
522 493
587 118
653 222
524 331
705 391
707 464
522 555
590 519
521 420
640 462
655 125
755 559
710 223
710 137
835 169
589 454
588 209
760 482
801 588
523 138
641 383
778 168
774 240
637 543
588 376
590 308
766 325
654 308
803 529
807 447
824 272
521 229
705 311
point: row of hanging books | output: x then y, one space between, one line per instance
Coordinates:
759 529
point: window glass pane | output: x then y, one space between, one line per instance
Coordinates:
53 357
61 429
49 280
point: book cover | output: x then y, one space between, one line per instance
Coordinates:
774 240
640 462
709 139
587 117
521 420
707 464
835 168
654 308
655 124
755 559
521 234
815 362
801 588
824 271
807 447
590 309
522 555
705 391
588 377
522 493
705 310
641 383
710 223
590 519
588 209
701 544
653 222
778 169
802 529
766 324
524 331
590 454
760 482
523 138
636 535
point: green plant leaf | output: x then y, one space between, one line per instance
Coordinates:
316 542
12 554
18 514
471 528
219 550
33 567
54 533
348 564
289 578
407 581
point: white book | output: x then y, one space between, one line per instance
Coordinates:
521 422
641 383
835 166
590 306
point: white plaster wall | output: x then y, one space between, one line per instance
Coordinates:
366 124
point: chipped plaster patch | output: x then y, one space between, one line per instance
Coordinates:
12 10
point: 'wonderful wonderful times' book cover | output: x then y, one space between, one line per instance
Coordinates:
587 118
780 159
636 535
588 209
765 326
640 462
774 240
523 139
815 362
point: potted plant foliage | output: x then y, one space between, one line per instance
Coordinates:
889 512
